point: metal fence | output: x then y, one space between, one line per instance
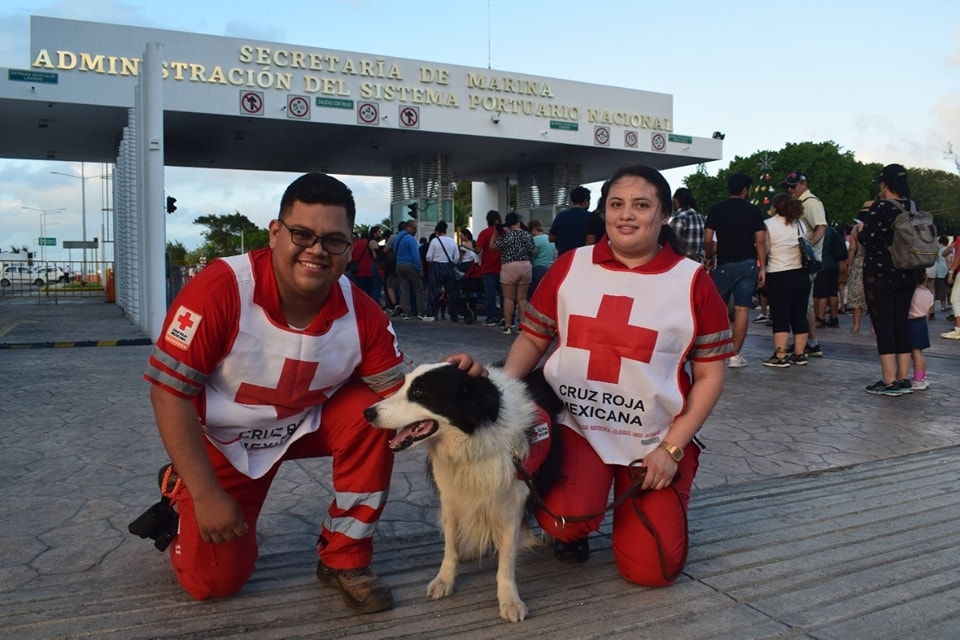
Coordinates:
55 279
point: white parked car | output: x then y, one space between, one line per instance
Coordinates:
51 273
15 274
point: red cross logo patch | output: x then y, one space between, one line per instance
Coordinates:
610 338
292 393
183 328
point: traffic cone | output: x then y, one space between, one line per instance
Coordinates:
111 294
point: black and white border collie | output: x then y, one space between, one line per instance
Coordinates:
472 428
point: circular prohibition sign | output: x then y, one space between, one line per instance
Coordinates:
251 102
409 116
298 106
659 142
368 112
601 135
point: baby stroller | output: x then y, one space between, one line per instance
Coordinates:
467 295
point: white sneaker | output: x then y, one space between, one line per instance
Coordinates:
426 318
953 334
736 361
920 385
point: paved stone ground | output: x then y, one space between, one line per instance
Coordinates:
819 511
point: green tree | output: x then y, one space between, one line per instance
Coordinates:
840 181
939 193
226 234
462 204
177 252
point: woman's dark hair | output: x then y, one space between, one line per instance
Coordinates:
441 227
511 219
493 217
654 177
684 198
785 206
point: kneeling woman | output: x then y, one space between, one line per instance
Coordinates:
641 339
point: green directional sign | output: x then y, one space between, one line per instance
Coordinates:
335 103
47 242
36 77
564 126
673 137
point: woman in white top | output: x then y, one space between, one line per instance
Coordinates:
788 283
442 256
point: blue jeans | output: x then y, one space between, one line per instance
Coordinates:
738 278
491 289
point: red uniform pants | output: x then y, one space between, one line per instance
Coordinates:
362 465
649 530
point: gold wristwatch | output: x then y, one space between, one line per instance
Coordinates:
673 451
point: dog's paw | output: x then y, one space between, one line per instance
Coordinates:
513 610
440 589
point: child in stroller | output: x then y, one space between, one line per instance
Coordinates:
468 295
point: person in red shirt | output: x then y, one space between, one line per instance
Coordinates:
271 356
486 246
641 336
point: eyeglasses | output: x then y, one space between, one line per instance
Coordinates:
791 187
305 239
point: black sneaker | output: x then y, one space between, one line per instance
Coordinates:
799 359
776 360
573 551
360 588
879 388
906 386
821 323
833 322
814 352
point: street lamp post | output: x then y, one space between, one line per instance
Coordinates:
43 229
83 208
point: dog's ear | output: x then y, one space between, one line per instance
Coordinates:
478 401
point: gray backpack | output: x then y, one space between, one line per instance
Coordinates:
915 244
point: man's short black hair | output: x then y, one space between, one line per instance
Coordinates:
737 182
580 194
319 188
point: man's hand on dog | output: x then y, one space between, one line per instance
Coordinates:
467 363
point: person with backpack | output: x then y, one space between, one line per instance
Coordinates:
888 290
826 285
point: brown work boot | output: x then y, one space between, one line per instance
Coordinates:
361 589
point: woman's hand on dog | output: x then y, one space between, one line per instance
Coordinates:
467 363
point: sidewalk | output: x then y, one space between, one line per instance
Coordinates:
819 511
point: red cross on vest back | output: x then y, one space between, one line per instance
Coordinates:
185 320
609 338
292 393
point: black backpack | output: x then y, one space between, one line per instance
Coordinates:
837 244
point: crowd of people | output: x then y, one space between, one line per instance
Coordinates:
274 355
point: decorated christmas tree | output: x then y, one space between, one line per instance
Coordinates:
763 187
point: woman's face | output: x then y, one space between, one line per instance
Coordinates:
634 218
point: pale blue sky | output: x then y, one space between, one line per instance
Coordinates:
882 79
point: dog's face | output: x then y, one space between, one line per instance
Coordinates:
436 396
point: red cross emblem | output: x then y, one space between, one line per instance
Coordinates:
610 338
292 392
185 320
